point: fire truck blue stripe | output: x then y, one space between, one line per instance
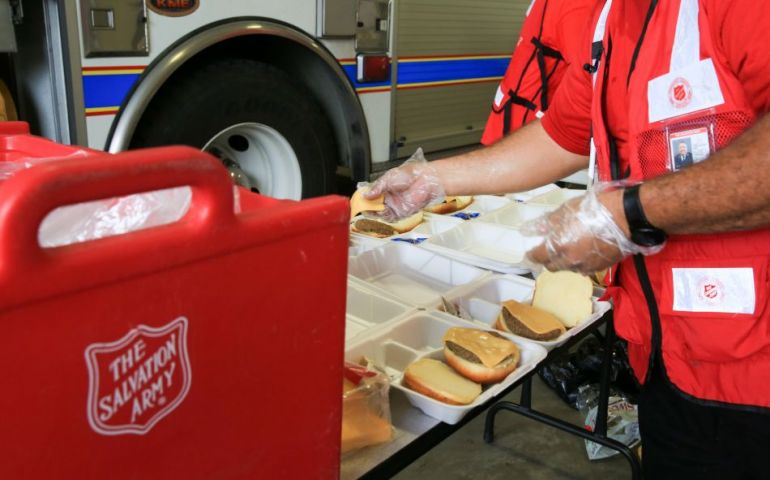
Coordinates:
107 90
450 70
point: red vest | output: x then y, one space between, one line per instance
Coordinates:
699 306
535 70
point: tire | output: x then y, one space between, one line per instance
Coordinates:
200 102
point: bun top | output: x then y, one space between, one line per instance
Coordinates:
490 349
564 294
360 204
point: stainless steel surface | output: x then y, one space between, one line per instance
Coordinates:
7 35
443 117
449 116
113 28
409 424
336 18
166 65
373 25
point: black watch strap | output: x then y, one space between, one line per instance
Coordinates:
642 231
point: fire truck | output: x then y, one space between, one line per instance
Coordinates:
290 94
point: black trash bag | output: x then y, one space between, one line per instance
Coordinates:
565 374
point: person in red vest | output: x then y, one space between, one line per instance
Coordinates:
548 44
689 246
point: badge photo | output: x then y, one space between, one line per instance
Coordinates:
689 146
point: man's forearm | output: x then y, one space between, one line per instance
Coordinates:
526 159
729 191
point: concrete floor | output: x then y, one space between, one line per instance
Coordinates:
523 449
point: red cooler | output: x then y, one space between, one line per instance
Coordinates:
211 347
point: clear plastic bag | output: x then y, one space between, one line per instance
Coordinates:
103 218
365 407
622 425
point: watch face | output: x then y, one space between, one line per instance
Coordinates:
648 237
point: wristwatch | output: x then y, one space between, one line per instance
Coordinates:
643 233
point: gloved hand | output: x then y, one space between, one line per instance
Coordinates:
582 236
407 189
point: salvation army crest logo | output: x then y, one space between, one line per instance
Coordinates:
136 381
680 92
711 291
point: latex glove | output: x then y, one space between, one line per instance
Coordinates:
582 235
407 189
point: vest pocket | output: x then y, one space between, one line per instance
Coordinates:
715 310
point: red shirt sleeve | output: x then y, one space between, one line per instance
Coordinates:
568 119
743 33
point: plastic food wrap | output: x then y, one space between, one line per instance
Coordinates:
365 407
584 225
408 188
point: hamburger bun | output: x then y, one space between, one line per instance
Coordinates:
564 294
529 322
382 229
478 355
359 204
450 205
436 380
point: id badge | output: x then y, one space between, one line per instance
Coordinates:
690 144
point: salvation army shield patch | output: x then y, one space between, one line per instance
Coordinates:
136 381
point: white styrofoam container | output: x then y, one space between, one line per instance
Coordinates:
517 214
414 275
420 335
482 205
530 194
484 301
358 244
486 245
557 197
431 225
366 310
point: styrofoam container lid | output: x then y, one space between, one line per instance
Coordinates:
517 214
367 309
481 206
486 245
358 243
557 197
530 194
420 335
416 276
484 301
430 225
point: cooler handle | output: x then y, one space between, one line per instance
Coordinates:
31 194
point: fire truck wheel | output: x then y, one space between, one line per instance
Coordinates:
267 129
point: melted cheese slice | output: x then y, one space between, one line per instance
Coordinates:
359 204
535 319
491 350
